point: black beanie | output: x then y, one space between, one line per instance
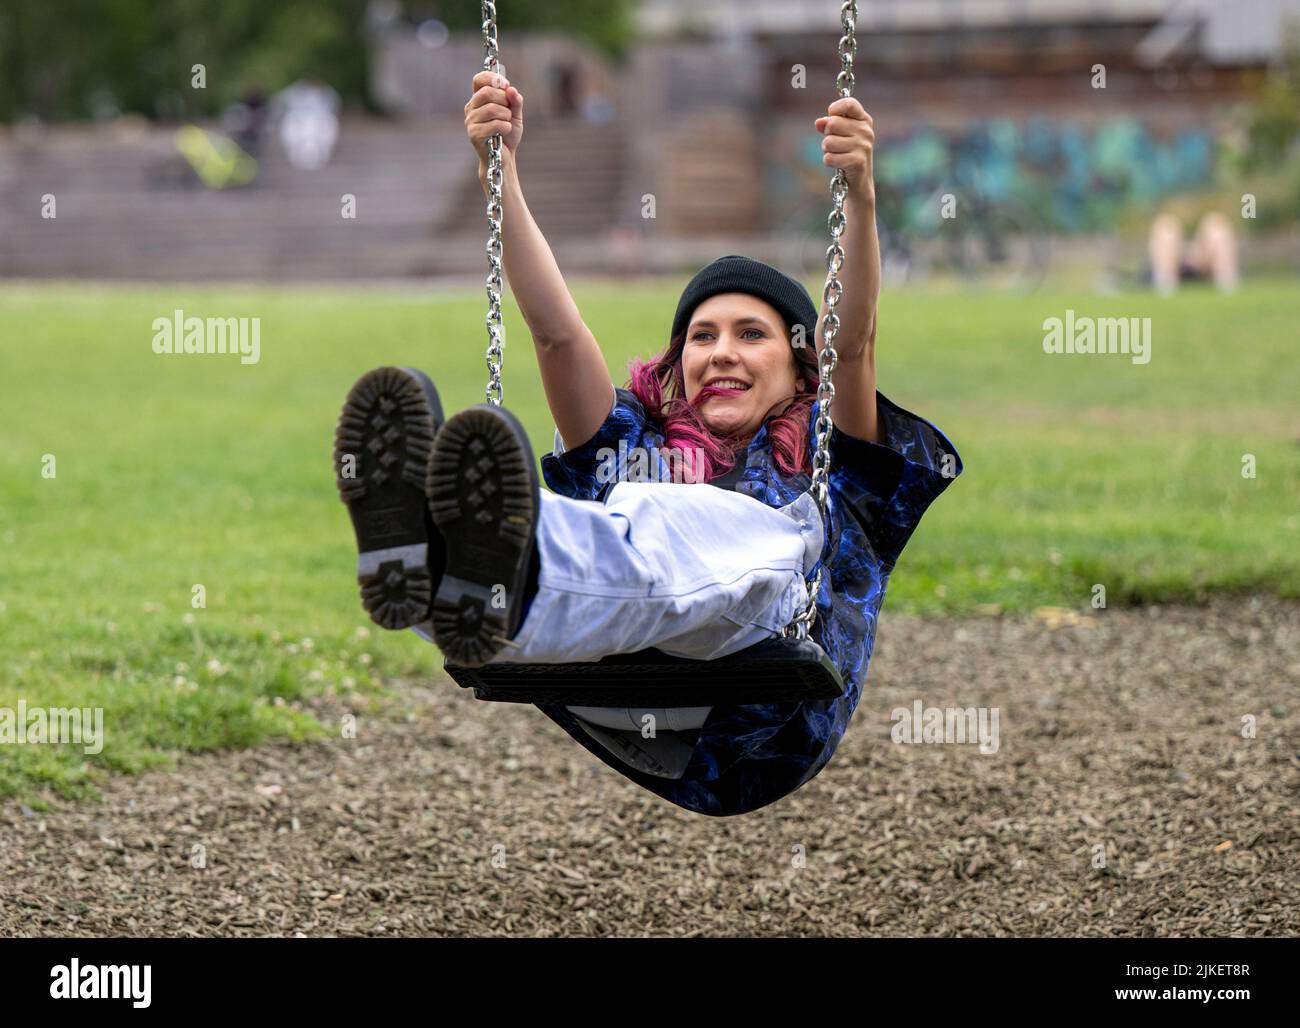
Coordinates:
734 274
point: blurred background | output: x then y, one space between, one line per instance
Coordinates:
195 141
1116 569
304 164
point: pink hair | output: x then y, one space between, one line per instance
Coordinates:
661 387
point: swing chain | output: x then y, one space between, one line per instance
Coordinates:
496 333
828 358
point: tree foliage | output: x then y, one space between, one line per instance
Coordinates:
1274 122
94 58
606 24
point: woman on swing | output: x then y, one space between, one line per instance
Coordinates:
702 556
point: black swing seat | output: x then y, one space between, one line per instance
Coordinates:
777 670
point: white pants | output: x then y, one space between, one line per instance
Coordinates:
693 570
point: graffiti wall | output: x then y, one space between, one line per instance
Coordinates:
1070 177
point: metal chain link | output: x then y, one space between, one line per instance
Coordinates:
801 626
496 334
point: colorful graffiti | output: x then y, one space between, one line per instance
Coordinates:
1071 178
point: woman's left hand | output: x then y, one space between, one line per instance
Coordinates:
849 136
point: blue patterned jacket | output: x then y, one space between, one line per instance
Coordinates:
746 756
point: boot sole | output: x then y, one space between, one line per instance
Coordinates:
485 499
382 446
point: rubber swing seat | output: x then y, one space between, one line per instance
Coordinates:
778 670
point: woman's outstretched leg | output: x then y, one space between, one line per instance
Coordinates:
381 456
693 570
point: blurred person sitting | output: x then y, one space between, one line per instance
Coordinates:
244 121
1211 254
597 108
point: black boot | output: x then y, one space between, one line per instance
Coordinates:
381 458
485 500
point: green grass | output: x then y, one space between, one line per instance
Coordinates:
177 471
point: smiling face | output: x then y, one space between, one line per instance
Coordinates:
737 359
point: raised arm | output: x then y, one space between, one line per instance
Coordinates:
576 380
849 139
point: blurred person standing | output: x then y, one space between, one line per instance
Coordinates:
308 119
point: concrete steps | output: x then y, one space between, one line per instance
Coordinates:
120 211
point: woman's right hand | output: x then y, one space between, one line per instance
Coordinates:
496 107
